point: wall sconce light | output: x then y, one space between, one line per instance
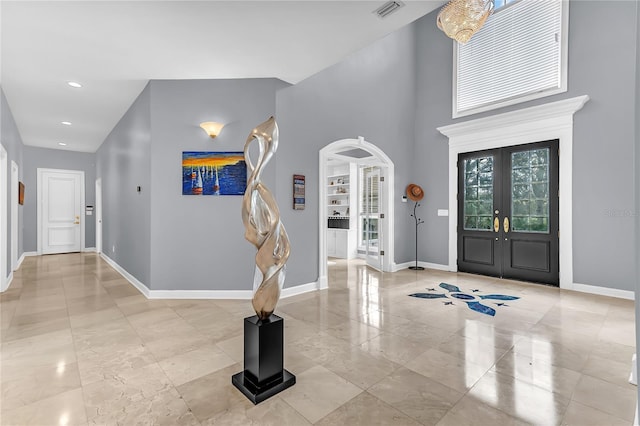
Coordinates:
212 128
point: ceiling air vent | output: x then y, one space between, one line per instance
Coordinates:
388 8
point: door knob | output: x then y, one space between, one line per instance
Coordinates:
76 223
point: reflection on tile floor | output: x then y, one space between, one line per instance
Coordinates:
80 345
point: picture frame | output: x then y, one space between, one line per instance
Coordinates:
213 173
21 193
298 192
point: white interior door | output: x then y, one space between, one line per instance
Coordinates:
14 215
61 198
99 215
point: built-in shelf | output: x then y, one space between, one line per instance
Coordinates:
341 232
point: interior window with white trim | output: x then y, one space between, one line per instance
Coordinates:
369 209
519 54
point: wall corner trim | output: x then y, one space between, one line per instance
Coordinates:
323 283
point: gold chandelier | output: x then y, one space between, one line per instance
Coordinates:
461 19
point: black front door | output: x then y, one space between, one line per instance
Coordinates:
508 212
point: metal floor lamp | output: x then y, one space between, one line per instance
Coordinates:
415 193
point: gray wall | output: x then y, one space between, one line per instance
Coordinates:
370 94
603 138
395 93
198 241
12 142
35 158
123 162
637 190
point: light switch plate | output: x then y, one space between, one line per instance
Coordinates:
443 212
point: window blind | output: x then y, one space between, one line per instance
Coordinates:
369 182
517 54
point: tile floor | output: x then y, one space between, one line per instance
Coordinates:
81 346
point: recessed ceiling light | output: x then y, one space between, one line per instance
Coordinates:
62 144
74 84
66 123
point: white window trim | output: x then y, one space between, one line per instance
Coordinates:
564 71
539 123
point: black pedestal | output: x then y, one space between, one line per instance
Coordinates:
416 268
263 375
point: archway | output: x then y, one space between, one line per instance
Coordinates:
360 152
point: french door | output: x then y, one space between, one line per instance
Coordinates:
508 212
370 229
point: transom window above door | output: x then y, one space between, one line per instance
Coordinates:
520 54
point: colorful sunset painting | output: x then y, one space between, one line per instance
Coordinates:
213 173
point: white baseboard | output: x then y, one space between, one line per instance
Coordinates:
20 260
399 266
133 280
89 250
226 294
200 294
299 289
323 283
604 291
4 286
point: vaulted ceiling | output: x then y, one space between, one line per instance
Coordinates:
113 48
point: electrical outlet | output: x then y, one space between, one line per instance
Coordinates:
113 248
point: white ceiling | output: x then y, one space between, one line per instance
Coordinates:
114 47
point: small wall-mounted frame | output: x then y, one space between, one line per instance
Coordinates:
298 192
20 193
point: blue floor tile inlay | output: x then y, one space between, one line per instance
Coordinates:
472 301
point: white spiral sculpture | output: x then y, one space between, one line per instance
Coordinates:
263 228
